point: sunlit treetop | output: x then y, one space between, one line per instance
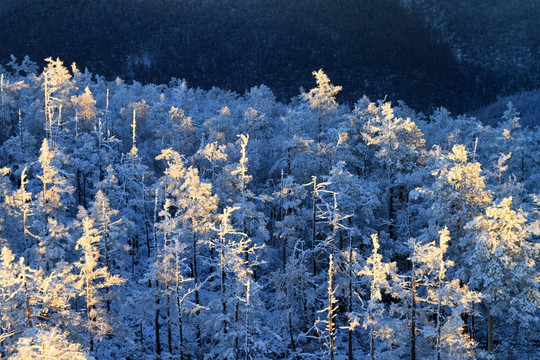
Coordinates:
323 97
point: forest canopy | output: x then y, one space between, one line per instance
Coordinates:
163 221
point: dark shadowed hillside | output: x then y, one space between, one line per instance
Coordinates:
369 47
374 47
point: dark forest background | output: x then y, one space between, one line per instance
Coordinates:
458 54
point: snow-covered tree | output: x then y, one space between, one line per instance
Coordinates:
195 208
92 277
326 327
376 317
445 300
458 195
30 298
53 202
238 304
398 148
47 343
503 267
21 207
56 87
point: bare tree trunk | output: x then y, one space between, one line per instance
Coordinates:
372 344
413 316
156 326
27 301
490 335
180 330
197 298
350 304
331 324
313 227
293 344
236 346
169 330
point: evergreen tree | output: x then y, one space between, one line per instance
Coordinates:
447 301
52 203
376 318
458 195
56 82
503 267
48 344
92 277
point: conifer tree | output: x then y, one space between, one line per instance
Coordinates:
447 301
133 178
398 146
376 318
56 87
29 298
503 267
48 344
92 277
328 332
458 195
52 203
195 205
235 273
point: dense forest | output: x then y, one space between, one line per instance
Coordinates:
458 54
167 222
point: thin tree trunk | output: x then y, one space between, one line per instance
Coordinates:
25 221
169 330
180 329
313 227
372 343
79 190
197 298
350 303
331 306
293 344
413 316
84 191
156 325
490 335
391 214
236 346
27 301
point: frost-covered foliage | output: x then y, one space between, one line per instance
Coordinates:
143 221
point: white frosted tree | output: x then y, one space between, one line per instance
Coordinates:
195 210
375 316
215 154
290 213
48 343
234 333
169 275
457 196
56 86
322 99
247 217
92 277
326 328
179 133
85 111
133 177
29 298
20 206
13 308
447 301
52 203
503 267
396 153
110 227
